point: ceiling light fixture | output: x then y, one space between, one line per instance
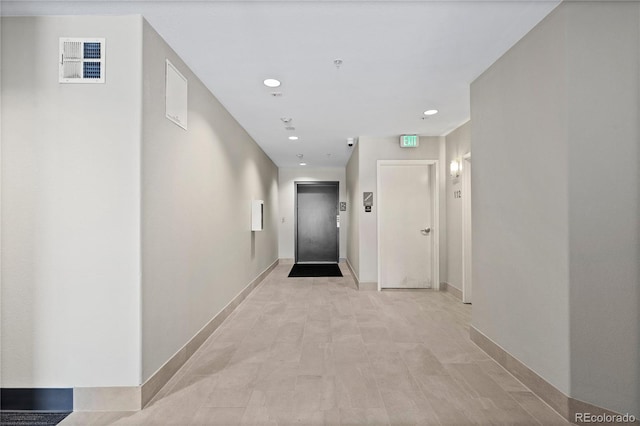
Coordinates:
271 82
293 138
303 164
431 112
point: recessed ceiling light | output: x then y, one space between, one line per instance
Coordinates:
293 138
271 82
303 164
431 112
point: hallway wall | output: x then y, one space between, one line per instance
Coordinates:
354 203
70 207
286 199
520 207
371 150
122 234
556 202
198 250
458 143
603 88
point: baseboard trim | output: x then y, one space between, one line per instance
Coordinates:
564 405
151 387
353 273
133 398
363 286
114 398
37 399
545 390
368 286
455 292
286 261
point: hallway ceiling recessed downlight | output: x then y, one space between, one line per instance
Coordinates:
303 164
272 82
341 67
431 112
293 138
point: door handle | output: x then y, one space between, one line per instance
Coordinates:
425 231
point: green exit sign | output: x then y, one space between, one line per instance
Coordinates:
409 141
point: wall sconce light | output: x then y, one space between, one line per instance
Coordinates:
454 169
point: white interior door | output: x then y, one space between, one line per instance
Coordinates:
406 226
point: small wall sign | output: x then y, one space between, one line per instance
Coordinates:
367 199
343 206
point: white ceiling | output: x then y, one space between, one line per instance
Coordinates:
399 59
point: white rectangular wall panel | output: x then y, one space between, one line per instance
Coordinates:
257 215
176 96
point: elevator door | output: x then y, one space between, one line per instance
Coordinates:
317 224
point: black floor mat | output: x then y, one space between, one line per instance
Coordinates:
26 418
315 270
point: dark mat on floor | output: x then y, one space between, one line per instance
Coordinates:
26 418
315 270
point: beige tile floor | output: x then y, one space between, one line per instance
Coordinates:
313 351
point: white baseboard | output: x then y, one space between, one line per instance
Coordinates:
133 398
364 286
456 292
564 405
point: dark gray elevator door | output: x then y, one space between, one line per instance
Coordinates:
316 218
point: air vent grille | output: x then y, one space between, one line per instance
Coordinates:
72 50
91 70
92 51
82 60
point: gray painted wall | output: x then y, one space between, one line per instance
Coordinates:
70 207
198 251
603 92
111 214
520 262
458 143
354 205
555 208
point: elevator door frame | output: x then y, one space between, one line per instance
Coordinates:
295 230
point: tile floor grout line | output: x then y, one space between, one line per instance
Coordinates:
426 325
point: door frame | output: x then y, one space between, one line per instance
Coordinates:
295 212
435 214
467 281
